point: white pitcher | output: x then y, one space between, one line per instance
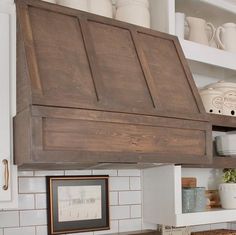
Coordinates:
76 4
101 7
198 30
226 37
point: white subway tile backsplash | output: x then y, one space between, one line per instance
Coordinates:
41 230
136 211
46 173
33 217
25 173
26 201
129 197
135 183
78 172
41 201
105 172
119 183
20 231
113 198
119 212
130 225
148 226
114 228
32 184
132 172
9 219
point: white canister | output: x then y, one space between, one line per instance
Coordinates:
100 7
212 100
76 4
134 12
228 90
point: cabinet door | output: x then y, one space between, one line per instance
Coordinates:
7 178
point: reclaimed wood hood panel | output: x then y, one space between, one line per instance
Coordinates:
79 60
93 91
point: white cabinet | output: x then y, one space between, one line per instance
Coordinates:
162 196
8 172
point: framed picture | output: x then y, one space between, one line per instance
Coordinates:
77 204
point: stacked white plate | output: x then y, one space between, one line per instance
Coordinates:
226 144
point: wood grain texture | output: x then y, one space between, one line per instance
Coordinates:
96 91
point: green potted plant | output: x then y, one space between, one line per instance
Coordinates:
227 189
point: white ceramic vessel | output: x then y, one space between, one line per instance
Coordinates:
198 30
226 37
212 100
228 90
101 7
76 4
227 192
134 12
225 144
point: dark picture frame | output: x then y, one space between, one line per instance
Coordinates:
77 204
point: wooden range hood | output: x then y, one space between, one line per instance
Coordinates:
93 91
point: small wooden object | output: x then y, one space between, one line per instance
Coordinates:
189 182
216 232
213 199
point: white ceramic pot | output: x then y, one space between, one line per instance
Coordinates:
227 192
198 30
76 4
226 37
228 90
134 12
100 7
212 100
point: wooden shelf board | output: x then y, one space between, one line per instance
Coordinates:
222 121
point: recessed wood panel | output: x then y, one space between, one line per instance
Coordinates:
174 90
83 135
64 75
121 72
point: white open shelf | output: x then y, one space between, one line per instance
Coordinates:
162 197
209 55
227 5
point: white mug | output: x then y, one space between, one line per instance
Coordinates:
76 4
226 37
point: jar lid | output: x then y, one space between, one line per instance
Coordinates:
210 91
223 84
121 3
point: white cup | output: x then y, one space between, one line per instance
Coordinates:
179 24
